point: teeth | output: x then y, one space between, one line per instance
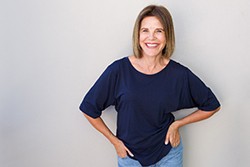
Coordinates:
151 45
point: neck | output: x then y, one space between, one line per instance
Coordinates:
152 62
149 65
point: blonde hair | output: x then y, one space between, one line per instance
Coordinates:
165 18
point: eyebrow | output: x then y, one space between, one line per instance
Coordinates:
156 28
160 29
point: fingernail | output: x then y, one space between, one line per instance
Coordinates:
166 142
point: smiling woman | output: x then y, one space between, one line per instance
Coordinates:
152 37
152 41
145 89
165 24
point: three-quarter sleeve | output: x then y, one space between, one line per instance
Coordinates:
198 94
101 95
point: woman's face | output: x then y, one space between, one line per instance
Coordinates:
152 37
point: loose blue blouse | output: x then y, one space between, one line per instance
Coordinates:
144 104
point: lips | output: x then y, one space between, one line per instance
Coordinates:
151 45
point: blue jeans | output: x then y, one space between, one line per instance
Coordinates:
172 159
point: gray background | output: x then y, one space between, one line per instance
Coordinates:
53 51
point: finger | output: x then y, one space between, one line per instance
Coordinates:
166 142
123 152
175 141
175 144
129 152
122 155
167 139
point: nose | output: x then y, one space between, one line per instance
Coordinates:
151 35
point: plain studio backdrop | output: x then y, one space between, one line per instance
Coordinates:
53 51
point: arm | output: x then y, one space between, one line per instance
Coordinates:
99 125
173 132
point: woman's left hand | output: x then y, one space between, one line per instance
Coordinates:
173 135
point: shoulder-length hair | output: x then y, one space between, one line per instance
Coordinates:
165 18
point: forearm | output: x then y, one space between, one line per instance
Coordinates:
173 131
99 125
196 116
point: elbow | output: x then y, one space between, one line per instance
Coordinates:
211 112
217 109
89 117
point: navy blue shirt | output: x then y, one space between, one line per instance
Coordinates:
144 104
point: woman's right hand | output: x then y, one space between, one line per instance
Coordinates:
121 149
98 123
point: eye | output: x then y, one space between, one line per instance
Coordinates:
159 31
144 30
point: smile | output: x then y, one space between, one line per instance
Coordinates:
151 45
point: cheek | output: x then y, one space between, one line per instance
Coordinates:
142 37
162 38
142 40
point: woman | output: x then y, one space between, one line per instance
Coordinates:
145 88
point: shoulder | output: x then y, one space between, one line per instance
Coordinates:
186 73
116 65
179 68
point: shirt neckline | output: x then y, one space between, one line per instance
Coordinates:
141 73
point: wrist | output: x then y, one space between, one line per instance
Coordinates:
114 140
177 124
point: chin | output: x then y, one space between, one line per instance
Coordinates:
152 54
